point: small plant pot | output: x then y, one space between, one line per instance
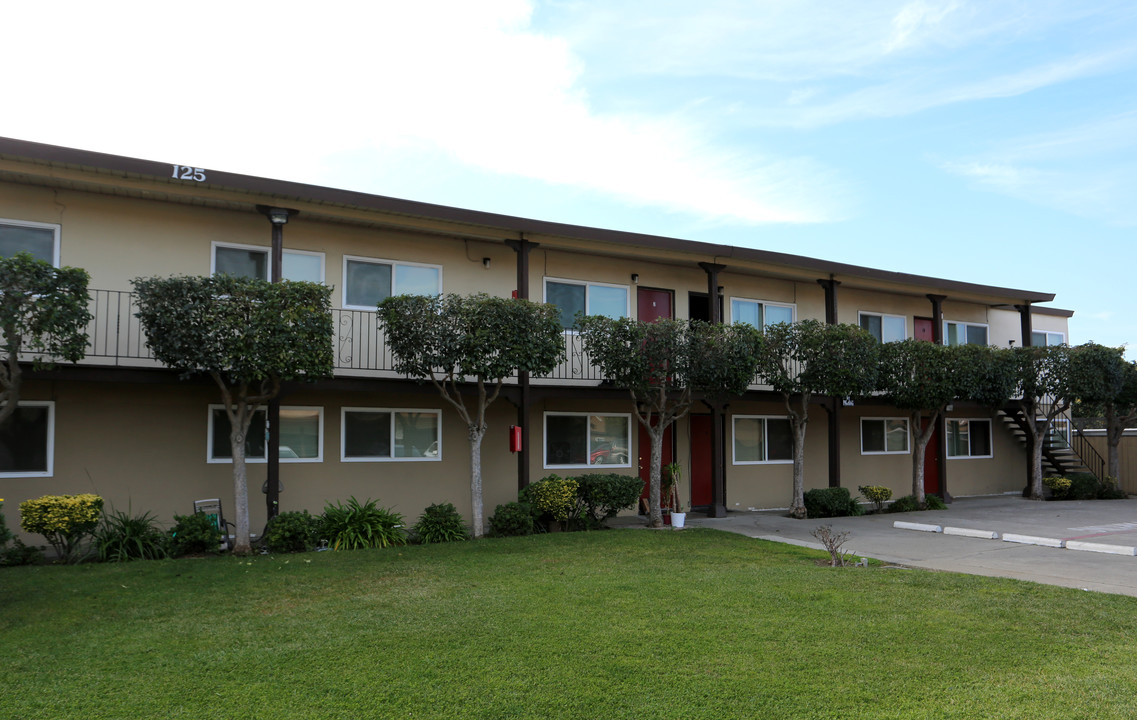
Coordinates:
666 517
678 520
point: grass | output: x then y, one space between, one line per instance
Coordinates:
620 624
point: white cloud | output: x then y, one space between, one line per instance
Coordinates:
916 19
277 89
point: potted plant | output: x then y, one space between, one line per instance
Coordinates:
674 497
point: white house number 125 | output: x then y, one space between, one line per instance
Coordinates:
183 172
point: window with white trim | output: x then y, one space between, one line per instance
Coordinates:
27 440
885 328
964 333
587 439
301 435
385 434
369 281
41 240
968 438
761 439
255 262
760 313
1043 338
586 298
884 436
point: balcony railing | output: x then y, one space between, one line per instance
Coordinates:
116 338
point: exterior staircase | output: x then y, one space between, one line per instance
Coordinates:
1064 449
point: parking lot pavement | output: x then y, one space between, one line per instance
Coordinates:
1072 544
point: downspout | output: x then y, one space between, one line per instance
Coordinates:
833 406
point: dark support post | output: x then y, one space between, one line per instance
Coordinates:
718 435
1027 329
278 217
941 425
833 407
522 248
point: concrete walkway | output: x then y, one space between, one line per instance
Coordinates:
1071 544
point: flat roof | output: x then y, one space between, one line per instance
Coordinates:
282 191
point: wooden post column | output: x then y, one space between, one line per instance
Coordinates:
833 406
941 426
718 410
522 248
1027 329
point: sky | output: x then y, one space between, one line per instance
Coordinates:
992 142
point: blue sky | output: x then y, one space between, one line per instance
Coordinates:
991 142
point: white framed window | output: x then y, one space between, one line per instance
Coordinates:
390 434
761 439
885 328
27 440
254 261
964 333
760 313
884 436
369 281
301 435
39 239
969 438
586 298
574 439
1045 338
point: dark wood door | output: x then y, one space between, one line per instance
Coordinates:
653 304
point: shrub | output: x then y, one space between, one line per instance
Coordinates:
1109 489
122 537
292 532
5 534
193 534
440 523
830 502
604 495
353 526
65 520
1059 486
877 494
908 504
20 554
511 519
555 496
1083 486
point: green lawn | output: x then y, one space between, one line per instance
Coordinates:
620 624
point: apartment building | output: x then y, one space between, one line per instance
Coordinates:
121 425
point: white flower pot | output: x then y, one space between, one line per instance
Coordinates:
678 520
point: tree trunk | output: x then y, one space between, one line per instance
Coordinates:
1114 429
797 426
476 433
1039 434
237 435
923 437
655 510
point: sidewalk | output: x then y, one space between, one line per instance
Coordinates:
1094 523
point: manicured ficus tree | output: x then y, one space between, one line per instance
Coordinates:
1045 390
1107 385
923 378
249 335
467 346
664 364
813 358
43 313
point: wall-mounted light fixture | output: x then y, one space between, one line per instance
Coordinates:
635 278
486 263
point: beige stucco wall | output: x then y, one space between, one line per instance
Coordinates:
144 447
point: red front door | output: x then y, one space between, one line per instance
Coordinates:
922 329
932 463
653 304
701 459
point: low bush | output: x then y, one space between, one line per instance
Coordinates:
66 521
194 534
354 526
440 523
555 496
512 519
1083 486
1059 487
830 502
20 554
122 537
605 495
878 495
1110 489
292 532
5 534
908 504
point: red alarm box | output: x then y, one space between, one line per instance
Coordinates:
514 438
